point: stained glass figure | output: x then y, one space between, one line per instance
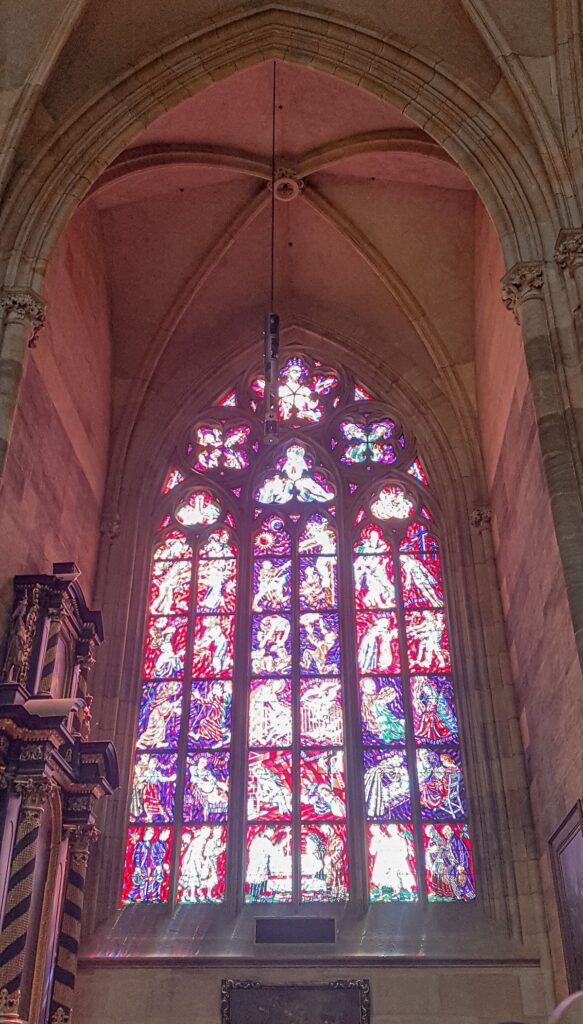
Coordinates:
165 647
212 653
170 587
324 863
318 582
199 509
374 582
319 643
322 785
271 650
269 864
427 643
160 714
368 442
318 536
449 868
270 713
152 796
421 582
174 545
378 643
392 868
300 393
386 784
209 719
203 864
383 715
392 503
295 478
206 786
434 714
216 585
320 711
146 876
221 446
271 584
174 478
269 789
441 789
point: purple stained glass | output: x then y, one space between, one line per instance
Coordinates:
318 536
152 797
271 584
209 719
173 546
165 647
146 876
378 643
212 653
203 863
319 644
421 582
318 582
271 645
374 584
270 713
320 711
322 785
381 707
206 786
449 869
272 539
427 641
324 863
433 704
170 587
391 864
269 864
386 784
159 715
269 785
216 585
441 786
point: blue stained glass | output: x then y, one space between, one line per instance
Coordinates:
319 644
317 537
209 720
441 787
206 787
272 539
152 798
381 704
271 650
159 717
449 870
386 784
318 582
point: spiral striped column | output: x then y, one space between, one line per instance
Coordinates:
68 947
50 658
18 897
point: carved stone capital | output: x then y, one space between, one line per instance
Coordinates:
569 248
33 794
62 1016
110 524
522 282
9 1003
22 304
481 518
81 839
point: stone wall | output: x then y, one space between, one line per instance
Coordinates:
540 635
52 488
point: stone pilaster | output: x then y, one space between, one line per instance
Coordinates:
23 318
523 282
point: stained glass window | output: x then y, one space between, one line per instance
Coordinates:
322 676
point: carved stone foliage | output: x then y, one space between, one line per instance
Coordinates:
522 282
24 305
21 632
481 518
569 248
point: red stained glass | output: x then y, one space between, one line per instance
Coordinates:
324 863
269 864
173 546
387 787
449 869
170 587
441 788
270 713
374 582
198 509
269 794
206 786
391 864
160 714
427 642
372 541
434 714
174 478
146 876
421 582
165 647
378 643
322 786
271 645
203 864
418 540
216 585
392 503
320 711
318 537
153 786
271 584
209 720
213 649
221 446
416 470
218 545
229 400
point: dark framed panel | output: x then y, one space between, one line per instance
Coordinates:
567 860
333 1002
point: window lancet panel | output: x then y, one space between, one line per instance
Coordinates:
296 625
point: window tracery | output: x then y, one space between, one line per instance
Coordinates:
255 653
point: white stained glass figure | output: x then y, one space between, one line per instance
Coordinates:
199 509
392 503
295 476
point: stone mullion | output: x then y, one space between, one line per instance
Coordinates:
65 972
19 897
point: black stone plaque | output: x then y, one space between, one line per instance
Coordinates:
333 1002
